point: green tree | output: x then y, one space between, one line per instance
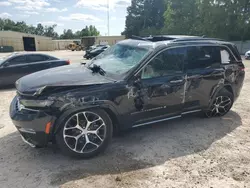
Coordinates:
49 31
144 16
39 29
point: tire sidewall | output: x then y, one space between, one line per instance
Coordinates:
109 132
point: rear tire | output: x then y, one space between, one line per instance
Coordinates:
85 134
221 105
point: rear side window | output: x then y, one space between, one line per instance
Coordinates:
17 60
226 56
203 57
37 58
167 62
235 51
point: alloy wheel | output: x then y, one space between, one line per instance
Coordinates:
84 132
220 107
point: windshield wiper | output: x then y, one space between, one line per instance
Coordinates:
97 69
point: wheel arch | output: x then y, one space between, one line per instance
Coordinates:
107 108
227 87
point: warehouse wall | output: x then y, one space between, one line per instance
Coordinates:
17 43
15 39
243 47
44 44
111 40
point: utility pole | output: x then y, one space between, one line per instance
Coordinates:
108 15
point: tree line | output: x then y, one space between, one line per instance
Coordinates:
48 31
226 19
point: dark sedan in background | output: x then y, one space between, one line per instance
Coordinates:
17 65
95 51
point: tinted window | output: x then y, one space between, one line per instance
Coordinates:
17 60
203 57
168 62
37 58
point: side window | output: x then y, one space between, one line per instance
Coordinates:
203 57
168 62
37 58
226 56
17 60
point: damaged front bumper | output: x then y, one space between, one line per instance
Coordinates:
31 124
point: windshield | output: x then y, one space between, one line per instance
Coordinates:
119 58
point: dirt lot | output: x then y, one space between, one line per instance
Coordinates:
189 152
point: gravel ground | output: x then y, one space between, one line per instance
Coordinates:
189 152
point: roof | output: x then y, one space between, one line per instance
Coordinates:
173 40
29 53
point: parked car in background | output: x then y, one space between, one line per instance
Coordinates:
132 84
247 55
95 51
17 65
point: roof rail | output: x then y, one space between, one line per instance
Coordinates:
139 38
195 39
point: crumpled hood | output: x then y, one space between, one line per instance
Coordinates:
69 75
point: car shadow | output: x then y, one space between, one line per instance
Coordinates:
139 148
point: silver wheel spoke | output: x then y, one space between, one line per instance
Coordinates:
225 103
84 113
94 144
100 127
76 144
84 140
70 128
96 120
92 132
69 136
99 137
77 119
84 146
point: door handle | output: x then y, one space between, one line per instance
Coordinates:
176 81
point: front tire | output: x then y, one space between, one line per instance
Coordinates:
221 105
85 134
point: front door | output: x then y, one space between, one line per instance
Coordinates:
162 87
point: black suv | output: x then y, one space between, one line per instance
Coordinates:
133 83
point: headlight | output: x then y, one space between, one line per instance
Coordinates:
36 103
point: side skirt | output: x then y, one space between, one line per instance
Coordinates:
166 119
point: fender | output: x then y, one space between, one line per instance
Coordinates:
98 104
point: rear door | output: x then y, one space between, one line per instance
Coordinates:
204 73
38 62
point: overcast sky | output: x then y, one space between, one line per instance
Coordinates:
74 14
